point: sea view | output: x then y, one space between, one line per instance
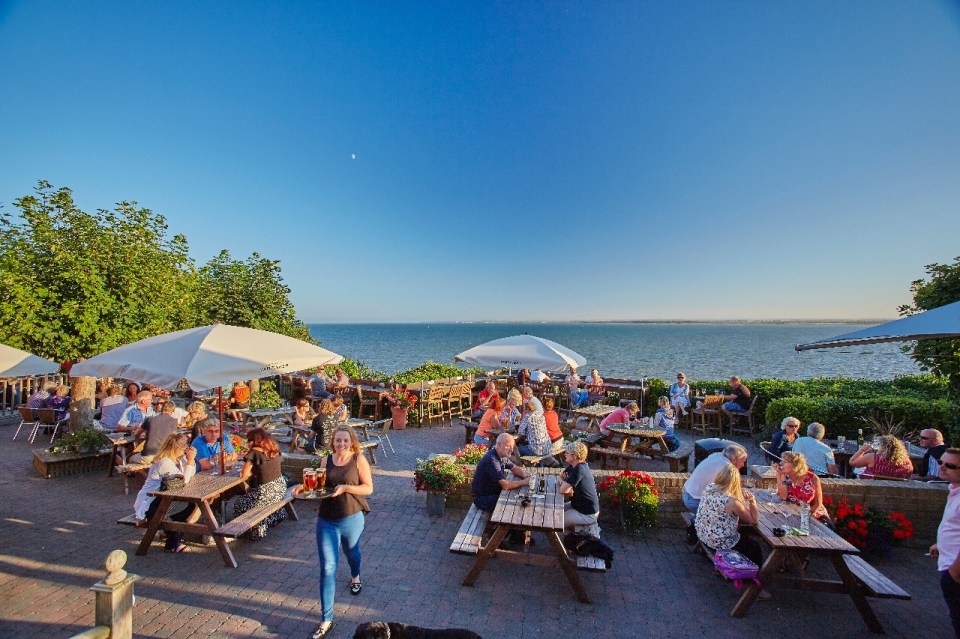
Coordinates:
632 350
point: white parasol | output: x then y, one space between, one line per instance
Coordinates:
17 363
940 322
522 351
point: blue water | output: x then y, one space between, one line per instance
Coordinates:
703 351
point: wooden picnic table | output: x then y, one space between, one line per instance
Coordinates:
647 437
544 514
821 542
203 489
594 415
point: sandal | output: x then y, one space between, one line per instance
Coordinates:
322 630
179 549
355 588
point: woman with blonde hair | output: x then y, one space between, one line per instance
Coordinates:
175 457
340 518
59 401
890 461
261 470
196 413
723 506
797 483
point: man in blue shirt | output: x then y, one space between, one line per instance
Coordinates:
490 478
207 444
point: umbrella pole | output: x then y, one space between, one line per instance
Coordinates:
223 426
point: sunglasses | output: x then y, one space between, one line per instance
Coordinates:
950 466
791 425
924 437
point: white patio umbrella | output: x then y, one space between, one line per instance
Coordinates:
940 322
522 351
206 357
17 363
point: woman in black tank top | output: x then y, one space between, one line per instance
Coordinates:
340 517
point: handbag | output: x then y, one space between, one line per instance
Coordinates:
734 566
172 482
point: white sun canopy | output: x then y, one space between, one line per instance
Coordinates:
943 321
522 351
17 363
207 357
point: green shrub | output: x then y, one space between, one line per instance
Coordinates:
266 397
843 416
433 370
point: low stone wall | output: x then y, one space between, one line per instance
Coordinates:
922 503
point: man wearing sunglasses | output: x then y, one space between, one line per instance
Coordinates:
947 548
932 440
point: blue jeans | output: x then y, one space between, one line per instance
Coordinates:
480 440
486 502
578 398
733 407
331 536
690 502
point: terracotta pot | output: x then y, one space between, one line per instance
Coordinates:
399 418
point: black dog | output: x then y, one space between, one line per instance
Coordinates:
383 630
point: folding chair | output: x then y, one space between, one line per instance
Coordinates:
26 417
48 419
381 430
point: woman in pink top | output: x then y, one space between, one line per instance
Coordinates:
889 461
797 483
619 416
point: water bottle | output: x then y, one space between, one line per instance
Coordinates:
859 437
805 519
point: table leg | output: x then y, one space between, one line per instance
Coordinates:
485 554
569 567
153 525
207 513
852 588
752 591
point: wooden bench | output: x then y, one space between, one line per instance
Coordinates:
369 448
615 453
239 525
467 539
469 430
125 470
688 518
874 582
679 459
593 564
533 460
131 520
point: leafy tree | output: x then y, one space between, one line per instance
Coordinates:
250 293
75 284
939 356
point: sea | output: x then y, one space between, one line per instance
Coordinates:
633 350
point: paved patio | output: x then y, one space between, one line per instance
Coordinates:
55 534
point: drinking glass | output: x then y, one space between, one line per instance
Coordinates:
320 475
841 441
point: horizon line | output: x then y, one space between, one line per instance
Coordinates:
618 321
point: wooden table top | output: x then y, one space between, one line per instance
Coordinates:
597 410
545 511
763 472
775 513
202 486
652 433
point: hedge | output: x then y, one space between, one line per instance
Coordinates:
843 416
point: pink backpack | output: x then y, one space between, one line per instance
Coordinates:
734 566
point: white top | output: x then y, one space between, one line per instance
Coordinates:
817 454
539 376
704 474
157 471
948 534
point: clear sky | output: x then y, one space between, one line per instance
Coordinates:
430 161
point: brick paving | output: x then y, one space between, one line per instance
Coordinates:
55 534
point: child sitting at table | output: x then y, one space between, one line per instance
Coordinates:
665 418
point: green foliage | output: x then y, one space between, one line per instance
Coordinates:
250 293
843 416
442 474
81 441
358 370
433 370
74 284
266 397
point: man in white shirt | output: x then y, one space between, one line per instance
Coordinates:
819 456
539 376
706 471
947 548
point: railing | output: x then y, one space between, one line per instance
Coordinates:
15 391
113 610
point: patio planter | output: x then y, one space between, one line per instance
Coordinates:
399 417
436 503
51 465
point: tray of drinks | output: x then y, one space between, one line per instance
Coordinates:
314 484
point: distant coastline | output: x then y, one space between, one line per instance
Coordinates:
738 322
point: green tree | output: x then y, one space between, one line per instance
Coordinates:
75 284
939 356
250 293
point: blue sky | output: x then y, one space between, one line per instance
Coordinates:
451 161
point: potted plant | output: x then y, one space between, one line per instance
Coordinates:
634 494
438 477
470 454
82 441
866 528
401 401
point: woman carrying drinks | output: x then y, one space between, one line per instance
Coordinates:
340 518
175 457
261 471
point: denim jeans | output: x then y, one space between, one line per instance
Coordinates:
486 502
174 539
690 502
331 536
